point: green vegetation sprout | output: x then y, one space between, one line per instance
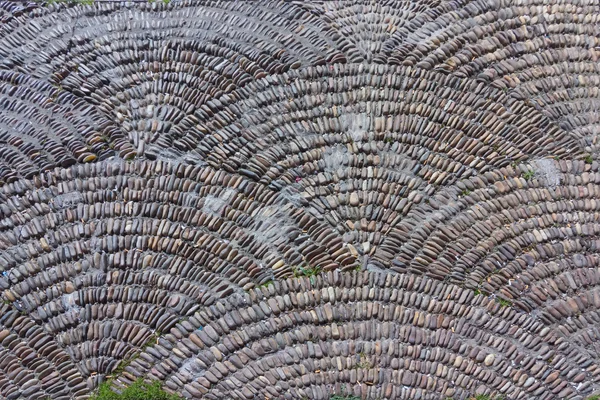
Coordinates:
267 283
486 397
308 271
528 175
504 303
139 390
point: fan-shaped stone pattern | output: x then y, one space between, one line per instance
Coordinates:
374 335
157 94
9 10
546 53
364 144
42 126
465 122
152 91
106 255
362 28
499 38
334 136
568 94
59 36
501 231
132 215
564 295
32 365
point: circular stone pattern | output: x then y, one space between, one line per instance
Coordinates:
300 200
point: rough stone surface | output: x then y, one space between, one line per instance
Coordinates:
290 200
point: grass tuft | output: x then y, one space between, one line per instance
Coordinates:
485 397
267 283
139 390
504 302
306 271
529 175
344 397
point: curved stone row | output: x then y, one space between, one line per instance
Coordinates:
466 123
376 129
510 44
543 52
165 95
43 127
107 255
363 29
52 196
369 334
191 192
567 94
151 77
529 242
498 231
32 364
384 147
500 37
360 159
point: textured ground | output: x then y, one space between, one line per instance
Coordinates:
286 200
